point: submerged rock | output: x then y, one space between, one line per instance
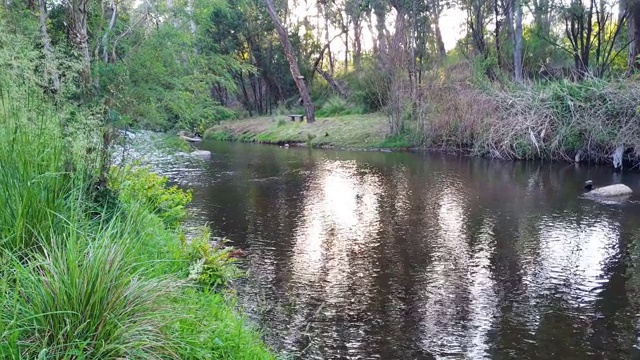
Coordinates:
202 153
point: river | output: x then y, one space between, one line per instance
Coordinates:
368 255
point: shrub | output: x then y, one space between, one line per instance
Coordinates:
217 135
337 106
210 263
554 120
135 185
370 88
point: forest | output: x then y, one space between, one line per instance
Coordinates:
524 79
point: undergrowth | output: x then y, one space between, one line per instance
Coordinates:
85 278
555 120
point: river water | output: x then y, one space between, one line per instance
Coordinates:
363 255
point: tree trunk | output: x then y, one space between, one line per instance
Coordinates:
496 12
105 37
346 46
326 36
78 35
517 46
380 11
293 62
477 27
357 42
333 83
508 7
50 70
442 52
634 34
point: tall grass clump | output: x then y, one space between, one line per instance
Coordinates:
336 106
83 298
112 283
34 180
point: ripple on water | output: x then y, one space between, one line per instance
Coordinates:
397 256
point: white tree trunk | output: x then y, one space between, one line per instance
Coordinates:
517 46
105 37
50 69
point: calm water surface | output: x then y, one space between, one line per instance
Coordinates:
400 256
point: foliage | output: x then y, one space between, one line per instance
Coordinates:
75 286
140 184
336 106
549 121
211 262
82 298
218 135
370 87
211 329
400 141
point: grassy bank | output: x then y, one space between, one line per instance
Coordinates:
95 272
348 131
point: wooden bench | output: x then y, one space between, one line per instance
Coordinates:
293 117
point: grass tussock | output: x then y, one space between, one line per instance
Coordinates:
102 277
536 121
84 297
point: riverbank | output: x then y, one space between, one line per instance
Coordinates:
368 131
588 121
95 263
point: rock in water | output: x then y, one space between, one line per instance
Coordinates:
202 153
611 190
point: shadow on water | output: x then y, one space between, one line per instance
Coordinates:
397 256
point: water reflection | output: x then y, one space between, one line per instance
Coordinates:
399 256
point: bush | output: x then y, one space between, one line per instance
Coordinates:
337 106
134 185
554 120
211 263
218 135
370 88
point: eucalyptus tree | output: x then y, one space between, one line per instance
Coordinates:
631 8
293 61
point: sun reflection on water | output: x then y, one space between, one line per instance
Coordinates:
337 226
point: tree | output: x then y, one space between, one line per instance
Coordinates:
517 43
51 77
633 11
78 34
293 61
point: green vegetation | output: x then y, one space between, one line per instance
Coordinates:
110 283
349 131
94 261
507 88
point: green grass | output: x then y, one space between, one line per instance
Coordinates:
84 298
400 141
85 278
348 131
